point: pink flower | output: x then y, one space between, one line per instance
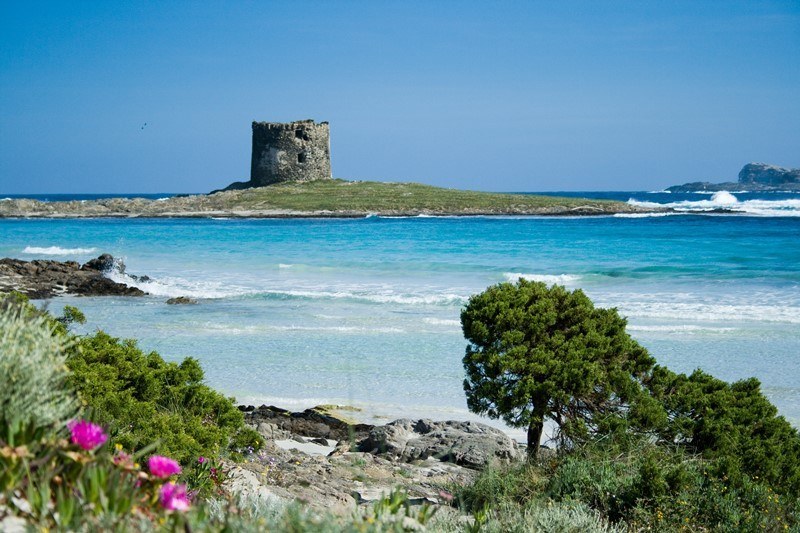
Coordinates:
173 497
201 459
163 467
86 435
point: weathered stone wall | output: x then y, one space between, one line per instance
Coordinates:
296 151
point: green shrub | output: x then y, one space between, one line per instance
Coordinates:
732 424
33 392
143 399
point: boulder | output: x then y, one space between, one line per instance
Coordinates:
181 300
468 444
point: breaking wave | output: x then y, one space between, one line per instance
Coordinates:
709 312
170 287
559 279
57 250
680 328
723 201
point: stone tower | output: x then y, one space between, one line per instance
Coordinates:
297 151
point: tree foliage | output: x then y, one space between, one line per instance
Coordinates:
143 399
732 424
537 352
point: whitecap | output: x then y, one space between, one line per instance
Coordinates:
57 250
171 287
645 215
559 279
707 312
723 201
680 328
442 321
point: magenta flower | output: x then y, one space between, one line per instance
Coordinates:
201 459
173 497
163 467
86 435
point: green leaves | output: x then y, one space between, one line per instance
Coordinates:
539 352
142 399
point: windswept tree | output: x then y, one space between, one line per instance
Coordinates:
537 352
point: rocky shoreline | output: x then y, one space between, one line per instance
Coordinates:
328 462
40 278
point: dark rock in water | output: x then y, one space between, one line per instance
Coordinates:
104 263
464 443
181 300
40 279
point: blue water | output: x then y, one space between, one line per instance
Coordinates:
366 311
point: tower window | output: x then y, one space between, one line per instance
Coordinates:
301 157
301 134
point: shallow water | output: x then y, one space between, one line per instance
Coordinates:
366 312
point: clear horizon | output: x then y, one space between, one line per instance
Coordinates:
574 96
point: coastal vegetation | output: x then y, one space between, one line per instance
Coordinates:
96 434
328 198
537 352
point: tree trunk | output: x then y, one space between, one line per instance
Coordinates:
534 436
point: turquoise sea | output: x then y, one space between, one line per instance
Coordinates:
366 311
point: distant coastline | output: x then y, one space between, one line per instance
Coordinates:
754 177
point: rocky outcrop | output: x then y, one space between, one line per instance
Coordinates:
769 175
423 458
469 444
752 177
39 279
316 422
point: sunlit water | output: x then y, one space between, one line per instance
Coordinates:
366 312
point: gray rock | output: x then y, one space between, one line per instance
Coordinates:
313 422
770 175
468 444
752 177
181 300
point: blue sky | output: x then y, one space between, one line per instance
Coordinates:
508 96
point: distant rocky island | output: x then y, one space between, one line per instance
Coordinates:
753 177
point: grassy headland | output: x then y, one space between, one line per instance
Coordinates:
324 198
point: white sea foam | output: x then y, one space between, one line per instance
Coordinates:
725 201
57 250
708 312
284 265
376 296
171 287
264 328
442 321
645 215
560 279
680 328
168 286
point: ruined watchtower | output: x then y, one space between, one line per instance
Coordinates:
296 151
